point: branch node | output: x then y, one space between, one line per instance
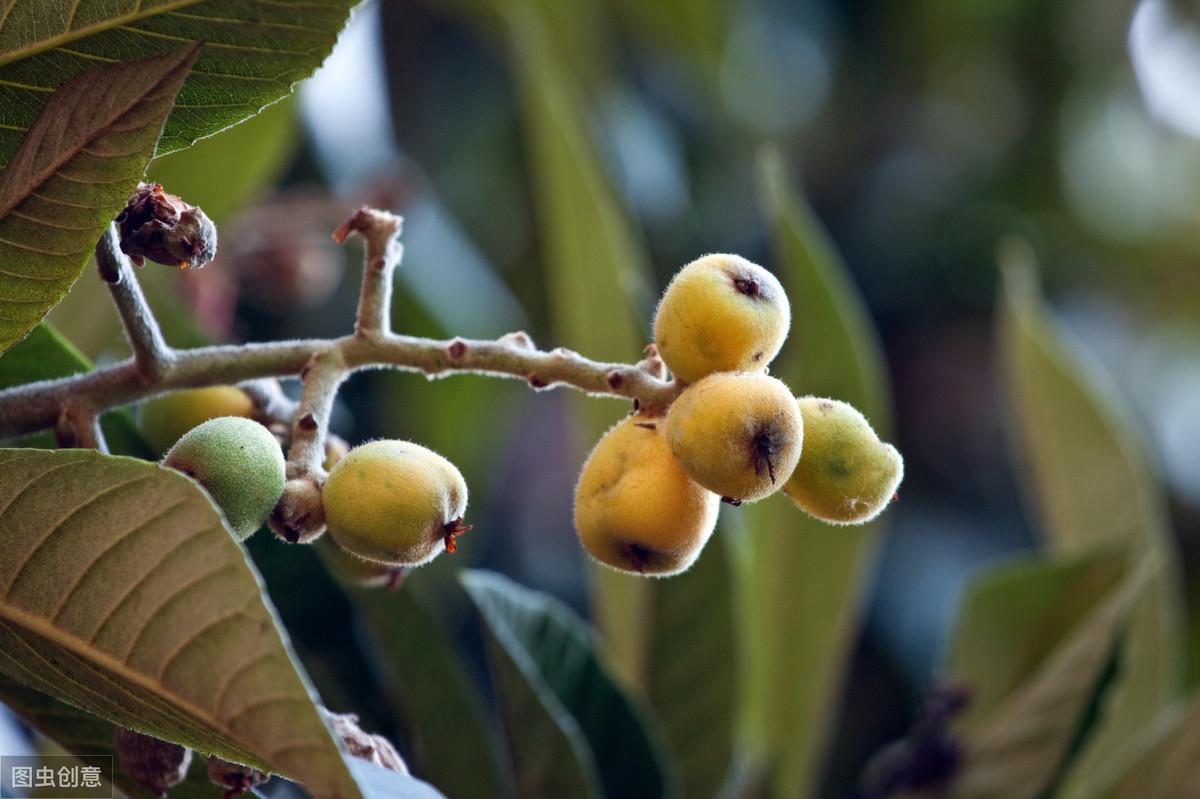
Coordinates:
519 339
457 349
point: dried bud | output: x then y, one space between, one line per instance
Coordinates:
374 748
234 778
155 765
299 516
165 229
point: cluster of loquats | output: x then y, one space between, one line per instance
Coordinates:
648 495
647 498
388 505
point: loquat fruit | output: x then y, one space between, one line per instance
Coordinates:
720 313
636 509
738 434
395 502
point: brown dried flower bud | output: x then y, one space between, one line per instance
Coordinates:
165 229
234 778
374 748
155 765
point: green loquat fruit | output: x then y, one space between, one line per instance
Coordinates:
239 463
738 434
163 420
720 313
636 509
395 502
846 474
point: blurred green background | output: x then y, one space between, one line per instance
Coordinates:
557 160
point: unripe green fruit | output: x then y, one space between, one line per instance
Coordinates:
636 509
720 313
395 502
164 420
738 434
846 475
239 463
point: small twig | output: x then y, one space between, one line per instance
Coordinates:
320 380
380 230
78 427
151 354
272 407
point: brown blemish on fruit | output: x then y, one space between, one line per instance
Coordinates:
639 556
748 286
763 451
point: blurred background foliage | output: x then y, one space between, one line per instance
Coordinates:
557 160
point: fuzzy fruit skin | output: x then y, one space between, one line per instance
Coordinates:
163 420
636 509
352 570
390 502
738 434
721 313
846 475
239 463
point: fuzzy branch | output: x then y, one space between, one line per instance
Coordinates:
151 355
156 369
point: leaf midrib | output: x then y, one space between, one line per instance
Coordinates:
40 626
69 36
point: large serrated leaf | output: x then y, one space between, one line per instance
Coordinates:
558 654
443 719
690 675
254 51
801 582
1016 750
73 172
1091 482
593 264
223 173
81 733
122 593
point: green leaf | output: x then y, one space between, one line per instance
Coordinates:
254 52
555 652
72 174
1014 615
122 593
381 783
690 668
82 733
801 582
1163 762
221 174
443 718
1090 481
44 355
1017 748
593 264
